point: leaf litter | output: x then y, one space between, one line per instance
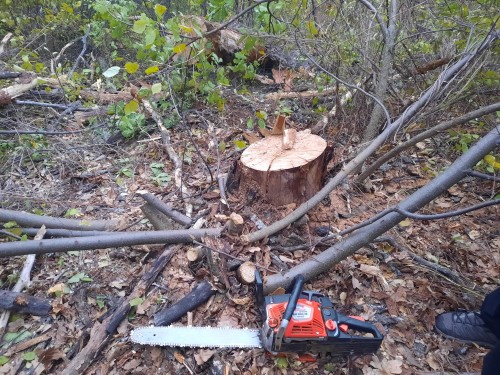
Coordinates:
380 282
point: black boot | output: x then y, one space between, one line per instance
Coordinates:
465 326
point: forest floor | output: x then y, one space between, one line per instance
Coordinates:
384 282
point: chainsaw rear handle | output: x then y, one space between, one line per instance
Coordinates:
298 283
359 325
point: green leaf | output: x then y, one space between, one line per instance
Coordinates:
73 212
136 301
76 278
312 28
29 356
131 107
160 10
281 362
111 72
10 224
156 88
150 36
222 146
261 114
179 48
240 145
131 67
140 26
186 28
151 70
250 124
3 360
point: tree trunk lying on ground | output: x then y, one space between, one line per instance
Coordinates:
363 236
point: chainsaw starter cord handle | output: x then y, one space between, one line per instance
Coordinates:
290 308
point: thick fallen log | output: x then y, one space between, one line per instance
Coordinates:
331 256
56 245
24 303
200 294
32 220
101 333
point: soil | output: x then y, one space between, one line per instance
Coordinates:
383 283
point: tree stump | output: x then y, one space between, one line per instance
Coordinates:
284 168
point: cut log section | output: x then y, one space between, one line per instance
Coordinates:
246 273
286 168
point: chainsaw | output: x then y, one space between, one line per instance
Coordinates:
298 321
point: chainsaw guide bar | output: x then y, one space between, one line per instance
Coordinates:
200 337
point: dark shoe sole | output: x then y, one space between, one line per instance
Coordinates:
483 344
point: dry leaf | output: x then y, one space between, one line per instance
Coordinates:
242 301
203 356
46 357
179 357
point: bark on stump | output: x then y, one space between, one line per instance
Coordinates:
286 168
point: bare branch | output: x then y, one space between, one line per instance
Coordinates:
323 261
427 134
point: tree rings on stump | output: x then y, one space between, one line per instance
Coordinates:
286 168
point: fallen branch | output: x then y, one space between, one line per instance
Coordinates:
50 233
359 159
24 281
164 208
200 294
101 333
32 220
323 261
9 75
24 303
427 134
165 136
9 249
446 272
299 94
7 94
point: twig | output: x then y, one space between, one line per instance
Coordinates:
80 56
419 216
72 107
65 232
484 176
23 282
9 234
446 214
4 41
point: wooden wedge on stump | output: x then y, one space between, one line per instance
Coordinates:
285 167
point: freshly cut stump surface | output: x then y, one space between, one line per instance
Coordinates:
285 168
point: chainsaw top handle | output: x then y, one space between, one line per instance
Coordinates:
359 325
298 283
